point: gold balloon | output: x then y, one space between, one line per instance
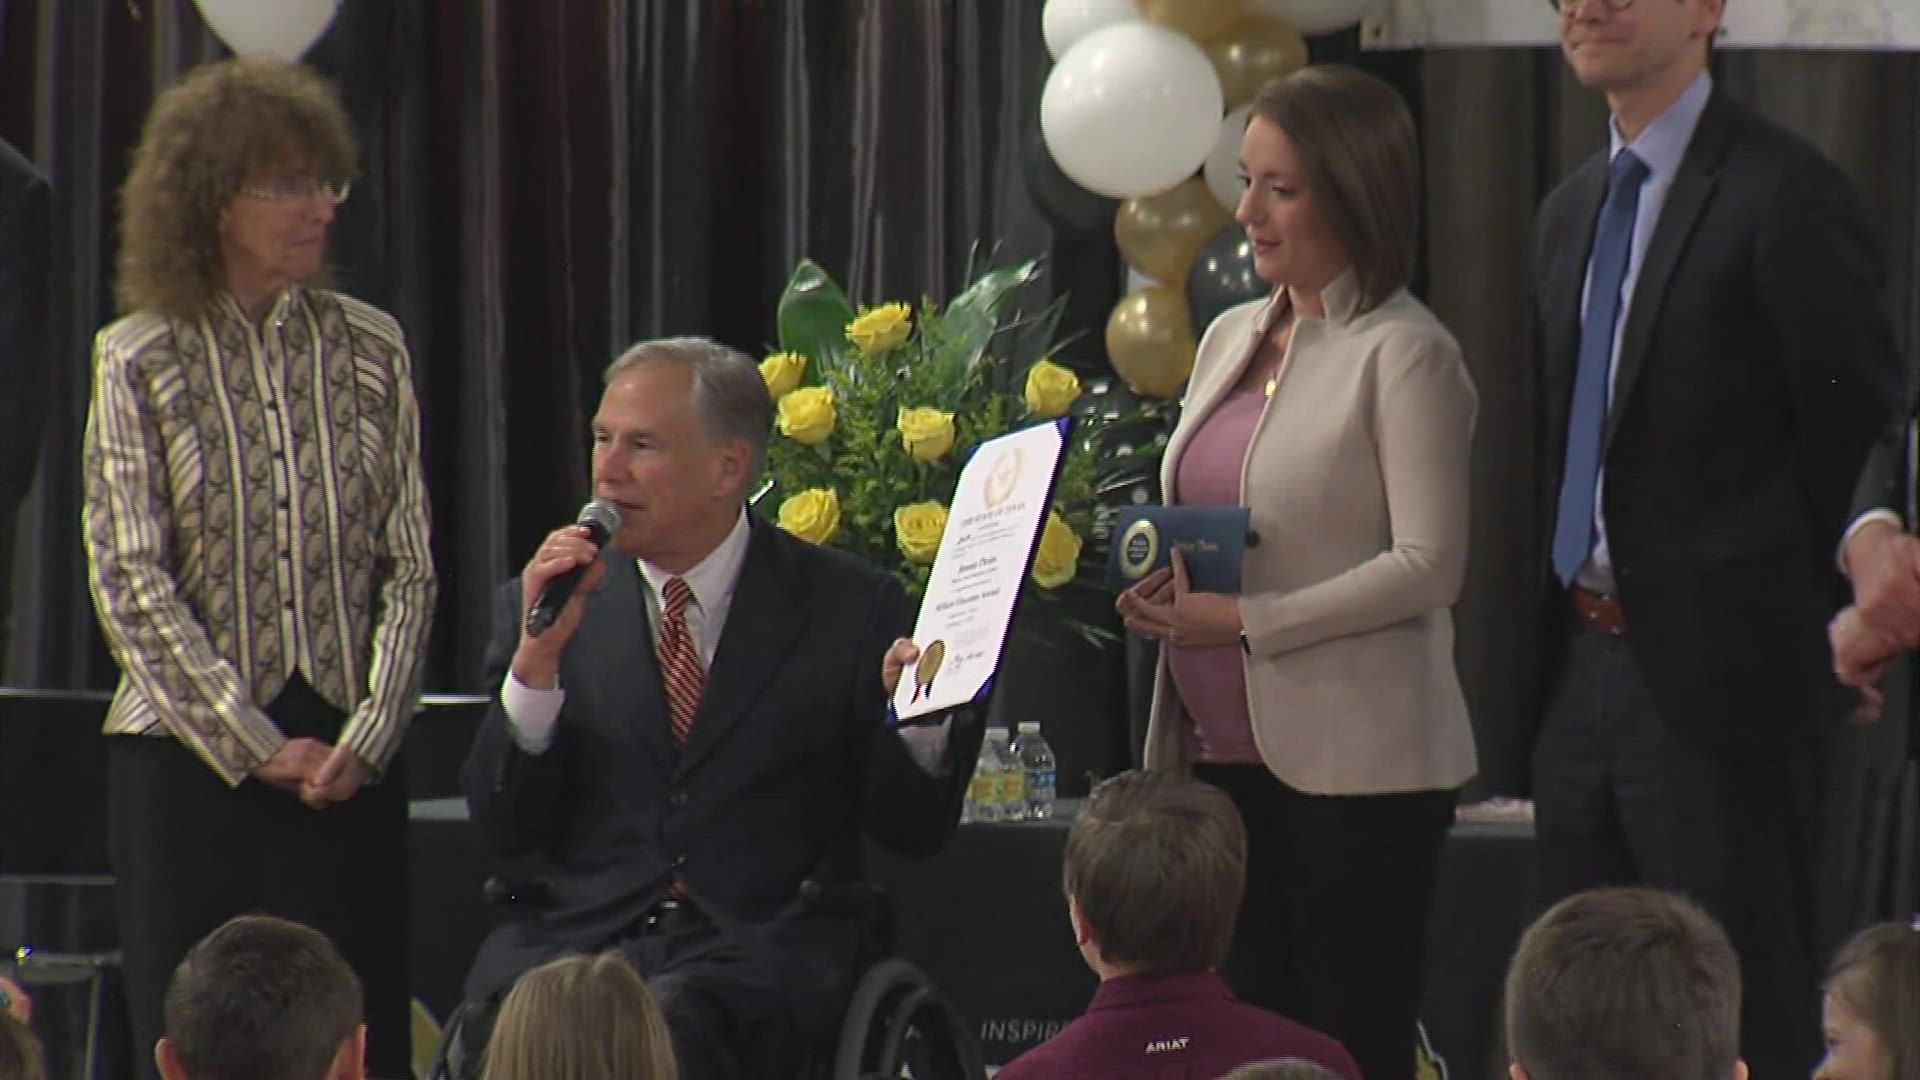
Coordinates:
1253 52
1161 234
1150 341
1198 19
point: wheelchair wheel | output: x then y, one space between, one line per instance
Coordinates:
456 1057
897 1020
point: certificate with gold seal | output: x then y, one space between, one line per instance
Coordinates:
999 507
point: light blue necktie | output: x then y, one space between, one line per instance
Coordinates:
1612 247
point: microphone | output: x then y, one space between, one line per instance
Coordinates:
601 520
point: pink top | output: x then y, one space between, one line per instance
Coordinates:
1212 679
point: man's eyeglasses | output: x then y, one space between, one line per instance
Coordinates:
1566 6
300 189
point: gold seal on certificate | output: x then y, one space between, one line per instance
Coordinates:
1000 503
1005 474
929 666
1137 549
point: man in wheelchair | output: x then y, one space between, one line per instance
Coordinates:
701 730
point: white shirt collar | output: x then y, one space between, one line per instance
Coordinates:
713 578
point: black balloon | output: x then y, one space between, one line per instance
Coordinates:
1065 203
1222 276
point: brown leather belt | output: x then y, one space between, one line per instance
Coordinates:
1599 610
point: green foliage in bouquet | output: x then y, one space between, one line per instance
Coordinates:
877 410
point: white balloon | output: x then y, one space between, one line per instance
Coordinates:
1222 169
1131 110
1318 16
279 29
1064 22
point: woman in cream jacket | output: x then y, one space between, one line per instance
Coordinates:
1323 698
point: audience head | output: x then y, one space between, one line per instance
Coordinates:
1871 1011
236 172
20 1055
680 435
581 1018
1155 865
1283 1069
262 998
1624 984
1333 181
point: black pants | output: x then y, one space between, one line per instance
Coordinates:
1332 929
189 853
739 1000
1620 800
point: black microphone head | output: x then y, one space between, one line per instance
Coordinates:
601 519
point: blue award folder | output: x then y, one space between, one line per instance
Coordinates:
1213 539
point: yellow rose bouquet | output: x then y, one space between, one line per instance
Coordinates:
877 408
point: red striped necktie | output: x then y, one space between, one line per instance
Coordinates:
680 670
681 675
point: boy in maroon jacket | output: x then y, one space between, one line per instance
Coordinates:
1154 870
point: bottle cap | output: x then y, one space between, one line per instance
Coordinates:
1029 727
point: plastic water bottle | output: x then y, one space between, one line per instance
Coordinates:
1011 793
983 790
1037 765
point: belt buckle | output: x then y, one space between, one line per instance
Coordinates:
1594 608
650 922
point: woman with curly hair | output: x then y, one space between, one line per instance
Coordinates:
256 530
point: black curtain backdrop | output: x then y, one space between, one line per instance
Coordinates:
546 182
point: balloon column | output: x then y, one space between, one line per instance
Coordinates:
1145 105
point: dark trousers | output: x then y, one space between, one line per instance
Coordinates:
1620 800
1332 928
189 853
739 1001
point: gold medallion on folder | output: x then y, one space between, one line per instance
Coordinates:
1138 548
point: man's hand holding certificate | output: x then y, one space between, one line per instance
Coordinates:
998 507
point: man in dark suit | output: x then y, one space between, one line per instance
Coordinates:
24 273
1715 364
702 730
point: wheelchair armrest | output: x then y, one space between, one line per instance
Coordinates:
500 891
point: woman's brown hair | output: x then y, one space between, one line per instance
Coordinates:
1357 144
205 137
581 1018
1877 977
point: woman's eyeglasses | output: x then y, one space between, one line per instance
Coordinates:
300 189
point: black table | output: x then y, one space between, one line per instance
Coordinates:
985 919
